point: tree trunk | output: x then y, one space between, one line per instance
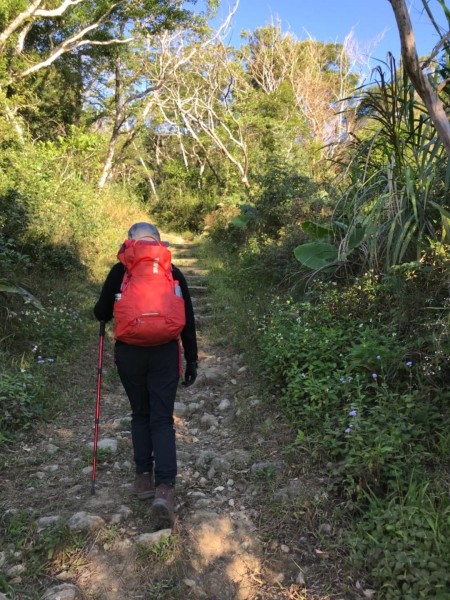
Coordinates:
108 164
119 118
419 80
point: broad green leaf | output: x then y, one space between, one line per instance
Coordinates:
316 255
11 288
315 230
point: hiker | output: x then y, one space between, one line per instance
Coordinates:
150 373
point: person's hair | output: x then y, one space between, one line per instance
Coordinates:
143 230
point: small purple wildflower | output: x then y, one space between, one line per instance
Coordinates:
409 363
378 357
374 375
348 430
353 413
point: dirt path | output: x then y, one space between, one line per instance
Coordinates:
235 487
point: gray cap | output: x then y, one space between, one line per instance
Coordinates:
142 230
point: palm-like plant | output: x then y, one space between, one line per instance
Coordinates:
397 174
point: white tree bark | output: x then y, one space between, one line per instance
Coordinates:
33 11
18 21
23 23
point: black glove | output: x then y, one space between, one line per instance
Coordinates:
190 374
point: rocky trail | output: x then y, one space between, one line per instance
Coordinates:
236 493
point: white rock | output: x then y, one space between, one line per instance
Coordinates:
65 591
224 405
122 514
87 470
285 549
51 449
109 444
242 370
210 420
121 424
148 539
15 570
40 475
189 582
44 522
51 468
203 503
211 375
83 521
179 409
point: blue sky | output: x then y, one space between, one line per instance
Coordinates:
332 20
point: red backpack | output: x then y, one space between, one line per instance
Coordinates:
150 309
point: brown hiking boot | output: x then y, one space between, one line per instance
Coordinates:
144 486
163 507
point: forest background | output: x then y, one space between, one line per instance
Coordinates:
321 201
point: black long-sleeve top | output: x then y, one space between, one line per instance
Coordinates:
103 310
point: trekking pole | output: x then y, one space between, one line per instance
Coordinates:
97 403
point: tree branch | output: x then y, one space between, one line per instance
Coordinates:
72 43
57 12
419 80
17 22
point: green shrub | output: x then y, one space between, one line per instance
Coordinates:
404 543
346 379
23 399
182 209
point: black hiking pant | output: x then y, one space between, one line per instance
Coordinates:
150 377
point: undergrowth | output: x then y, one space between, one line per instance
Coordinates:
39 550
360 370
